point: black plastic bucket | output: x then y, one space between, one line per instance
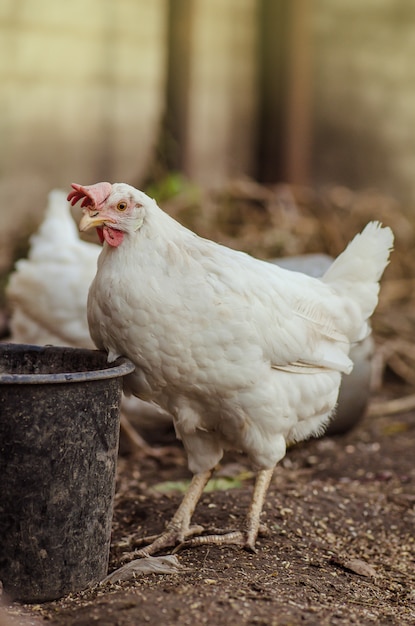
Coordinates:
59 431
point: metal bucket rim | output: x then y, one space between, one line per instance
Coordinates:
120 367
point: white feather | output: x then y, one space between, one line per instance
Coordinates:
244 354
49 289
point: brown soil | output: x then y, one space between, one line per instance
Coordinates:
339 550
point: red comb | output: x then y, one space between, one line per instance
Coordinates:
94 195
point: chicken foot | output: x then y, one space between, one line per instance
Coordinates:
178 529
246 537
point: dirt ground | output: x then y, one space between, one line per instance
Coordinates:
340 546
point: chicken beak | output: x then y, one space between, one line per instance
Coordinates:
93 219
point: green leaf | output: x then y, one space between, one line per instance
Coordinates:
223 483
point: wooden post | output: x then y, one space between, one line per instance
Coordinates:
285 92
212 95
298 113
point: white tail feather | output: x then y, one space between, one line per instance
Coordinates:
359 268
372 246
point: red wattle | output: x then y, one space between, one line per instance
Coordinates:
112 236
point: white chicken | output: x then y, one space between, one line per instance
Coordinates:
245 355
47 294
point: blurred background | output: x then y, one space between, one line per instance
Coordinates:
172 95
279 127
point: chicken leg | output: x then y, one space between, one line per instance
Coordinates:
247 537
179 529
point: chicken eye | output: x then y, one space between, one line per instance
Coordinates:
121 206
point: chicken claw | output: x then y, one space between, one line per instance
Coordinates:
170 538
